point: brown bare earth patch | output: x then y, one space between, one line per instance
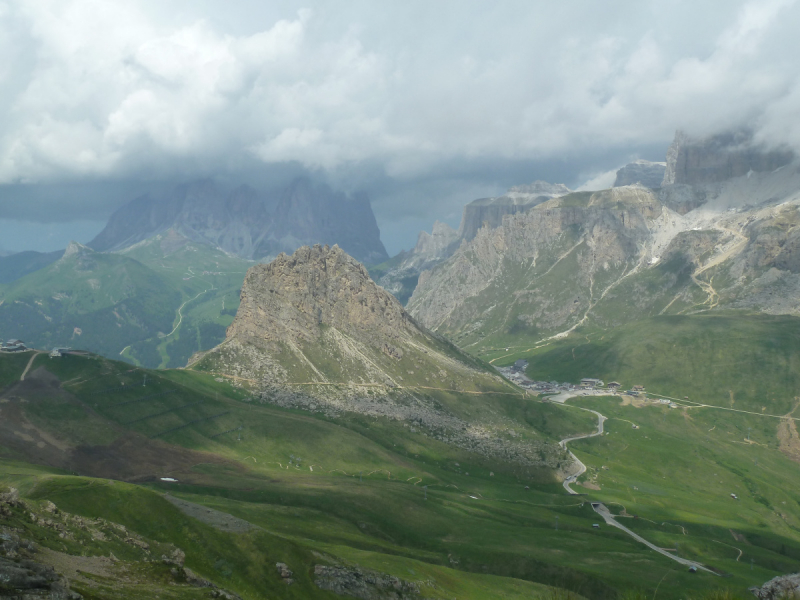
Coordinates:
129 457
589 485
634 401
788 437
132 457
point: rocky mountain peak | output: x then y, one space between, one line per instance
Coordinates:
644 172
76 249
719 157
294 297
540 188
433 246
249 223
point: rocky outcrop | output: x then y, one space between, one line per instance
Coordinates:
401 276
29 580
643 172
248 223
489 212
294 298
719 158
364 584
779 588
594 236
22 577
317 317
314 332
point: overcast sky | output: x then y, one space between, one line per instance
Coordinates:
425 105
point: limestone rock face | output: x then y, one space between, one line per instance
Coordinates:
294 297
719 158
314 332
646 173
489 212
402 277
593 236
785 586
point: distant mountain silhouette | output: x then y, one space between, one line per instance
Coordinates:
249 223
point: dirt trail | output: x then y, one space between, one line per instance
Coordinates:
209 516
729 546
788 437
707 286
30 362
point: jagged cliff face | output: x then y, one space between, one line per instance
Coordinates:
539 270
642 172
611 257
401 275
718 158
317 317
313 331
295 298
248 223
489 212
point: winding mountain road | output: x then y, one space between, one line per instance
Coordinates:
581 467
601 508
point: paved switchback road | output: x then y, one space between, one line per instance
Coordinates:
601 508
603 511
581 467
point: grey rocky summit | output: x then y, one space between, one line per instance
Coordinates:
313 331
248 223
435 247
779 588
726 205
642 172
720 157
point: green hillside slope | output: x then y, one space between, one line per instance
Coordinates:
732 359
348 491
154 304
208 280
94 301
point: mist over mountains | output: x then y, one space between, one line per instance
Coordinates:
248 223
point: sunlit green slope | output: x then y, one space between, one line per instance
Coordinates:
349 490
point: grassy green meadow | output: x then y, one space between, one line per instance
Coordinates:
349 491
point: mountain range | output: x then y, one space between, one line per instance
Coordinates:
186 250
718 232
248 223
324 441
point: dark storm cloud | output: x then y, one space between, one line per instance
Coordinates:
414 96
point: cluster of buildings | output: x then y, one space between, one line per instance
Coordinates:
516 373
13 346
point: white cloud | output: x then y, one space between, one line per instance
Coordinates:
600 181
101 89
